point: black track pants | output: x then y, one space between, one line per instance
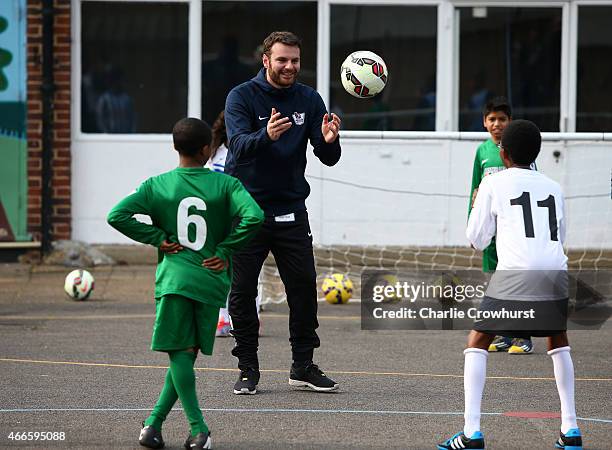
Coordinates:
291 245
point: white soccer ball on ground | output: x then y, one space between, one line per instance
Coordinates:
363 74
79 284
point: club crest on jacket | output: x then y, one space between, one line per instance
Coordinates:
298 118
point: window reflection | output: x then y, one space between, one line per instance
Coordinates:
510 52
134 66
594 96
405 37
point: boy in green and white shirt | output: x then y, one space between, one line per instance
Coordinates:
486 162
192 211
496 116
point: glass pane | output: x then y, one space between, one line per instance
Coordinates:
594 69
510 52
231 38
405 38
134 67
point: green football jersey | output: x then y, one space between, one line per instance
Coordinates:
486 162
196 208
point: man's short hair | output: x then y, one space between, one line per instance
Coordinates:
190 135
284 37
497 104
522 141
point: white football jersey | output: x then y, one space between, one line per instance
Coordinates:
217 162
525 211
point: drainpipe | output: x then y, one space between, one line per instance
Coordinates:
48 91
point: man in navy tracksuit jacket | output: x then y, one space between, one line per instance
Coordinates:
269 121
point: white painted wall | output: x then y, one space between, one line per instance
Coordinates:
105 171
352 216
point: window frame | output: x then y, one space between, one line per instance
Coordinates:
564 75
444 54
573 27
447 54
447 61
194 87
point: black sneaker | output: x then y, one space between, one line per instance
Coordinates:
199 441
572 440
312 377
460 442
247 382
150 437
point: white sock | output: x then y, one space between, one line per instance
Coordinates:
259 296
564 376
224 315
474 376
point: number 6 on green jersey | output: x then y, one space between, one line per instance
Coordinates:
183 220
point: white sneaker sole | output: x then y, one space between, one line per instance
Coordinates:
245 392
298 383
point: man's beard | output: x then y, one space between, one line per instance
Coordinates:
276 78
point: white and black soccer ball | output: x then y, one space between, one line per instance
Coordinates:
79 284
363 74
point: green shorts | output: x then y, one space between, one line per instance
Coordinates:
182 323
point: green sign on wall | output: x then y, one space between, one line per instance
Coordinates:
13 98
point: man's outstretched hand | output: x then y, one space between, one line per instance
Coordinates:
277 125
330 129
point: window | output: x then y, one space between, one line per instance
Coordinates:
594 96
134 66
232 34
510 52
405 37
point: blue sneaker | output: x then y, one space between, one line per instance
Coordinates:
460 442
572 440
500 344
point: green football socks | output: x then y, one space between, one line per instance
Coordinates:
180 383
167 399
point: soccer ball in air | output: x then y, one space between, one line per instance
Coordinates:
363 74
337 289
79 284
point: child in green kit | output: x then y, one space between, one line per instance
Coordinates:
192 211
496 115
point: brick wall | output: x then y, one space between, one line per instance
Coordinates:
61 209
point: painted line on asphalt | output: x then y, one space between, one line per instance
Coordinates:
279 410
150 316
283 371
90 317
319 317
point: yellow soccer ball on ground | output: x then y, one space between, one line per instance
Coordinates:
389 280
337 289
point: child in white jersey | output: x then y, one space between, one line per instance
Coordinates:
525 211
